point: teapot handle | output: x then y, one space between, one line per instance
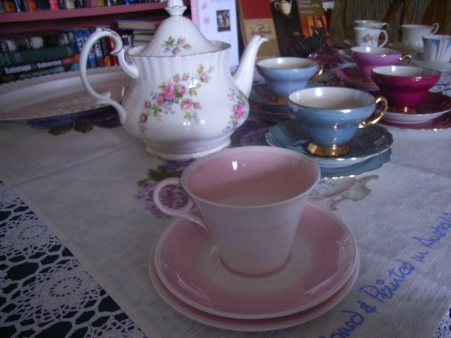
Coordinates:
132 70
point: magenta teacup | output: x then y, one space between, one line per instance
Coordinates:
366 58
404 87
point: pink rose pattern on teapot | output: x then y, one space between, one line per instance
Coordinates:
178 90
175 46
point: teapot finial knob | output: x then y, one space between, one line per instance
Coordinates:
175 7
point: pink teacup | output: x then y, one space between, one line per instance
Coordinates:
250 199
366 58
404 87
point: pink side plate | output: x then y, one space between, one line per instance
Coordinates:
322 260
249 325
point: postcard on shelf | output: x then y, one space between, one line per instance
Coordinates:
217 20
293 27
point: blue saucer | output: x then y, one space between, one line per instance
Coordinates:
369 149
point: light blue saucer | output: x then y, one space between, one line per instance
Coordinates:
370 148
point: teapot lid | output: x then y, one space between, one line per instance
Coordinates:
177 36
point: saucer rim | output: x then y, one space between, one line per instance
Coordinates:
322 160
425 126
368 86
294 308
250 325
391 112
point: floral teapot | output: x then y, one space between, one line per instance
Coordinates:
183 101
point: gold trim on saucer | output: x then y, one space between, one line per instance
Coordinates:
328 151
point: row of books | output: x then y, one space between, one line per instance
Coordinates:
39 5
43 5
50 52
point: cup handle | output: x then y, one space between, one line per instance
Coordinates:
374 118
319 71
408 57
436 27
184 212
385 26
384 33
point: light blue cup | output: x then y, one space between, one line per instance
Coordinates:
285 75
331 116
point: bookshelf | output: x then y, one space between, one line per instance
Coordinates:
91 15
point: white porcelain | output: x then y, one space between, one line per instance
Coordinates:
251 200
59 94
437 48
412 34
372 24
249 325
417 59
369 37
322 260
183 101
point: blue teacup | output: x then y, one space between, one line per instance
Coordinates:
331 116
284 75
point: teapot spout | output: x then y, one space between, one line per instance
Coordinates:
244 74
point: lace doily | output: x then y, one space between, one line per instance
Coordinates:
45 291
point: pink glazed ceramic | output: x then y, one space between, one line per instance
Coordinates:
404 87
366 58
251 200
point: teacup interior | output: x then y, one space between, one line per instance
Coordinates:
404 71
374 50
331 98
252 178
286 63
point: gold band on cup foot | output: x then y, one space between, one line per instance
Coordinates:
328 151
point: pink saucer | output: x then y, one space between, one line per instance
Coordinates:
351 77
322 260
249 325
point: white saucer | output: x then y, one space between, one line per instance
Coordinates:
403 49
417 59
367 143
322 260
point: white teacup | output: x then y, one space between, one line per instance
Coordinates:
412 35
369 37
250 199
437 48
371 24
283 6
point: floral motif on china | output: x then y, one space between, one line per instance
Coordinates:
239 111
368 38
175 46
178 90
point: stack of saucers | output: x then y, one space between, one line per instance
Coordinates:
188 273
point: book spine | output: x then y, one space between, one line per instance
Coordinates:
21 6
79 3
61 4
9 6
12 45
35 66
43 5
110 60
36 55
53 5
40 72
92 61
31 5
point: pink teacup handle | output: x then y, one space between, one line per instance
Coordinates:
184 212
377 116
